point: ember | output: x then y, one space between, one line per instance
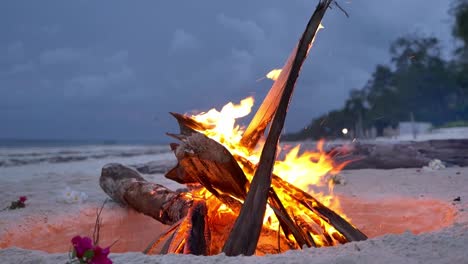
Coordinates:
241 199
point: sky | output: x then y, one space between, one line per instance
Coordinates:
113 69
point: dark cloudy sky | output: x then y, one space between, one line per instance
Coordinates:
86 69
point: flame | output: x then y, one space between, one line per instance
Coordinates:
308 170
274 74
222 123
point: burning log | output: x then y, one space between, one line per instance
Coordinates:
210 164
125 186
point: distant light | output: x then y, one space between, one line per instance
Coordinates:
344 131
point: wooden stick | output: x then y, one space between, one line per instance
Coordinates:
288 225
246 231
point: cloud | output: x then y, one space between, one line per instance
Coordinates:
98 84
182 40
248 28
60 56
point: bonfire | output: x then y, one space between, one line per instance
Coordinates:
240 197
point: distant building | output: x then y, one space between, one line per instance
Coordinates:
413 128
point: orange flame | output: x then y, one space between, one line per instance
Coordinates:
304 170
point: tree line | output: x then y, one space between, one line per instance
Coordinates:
418 84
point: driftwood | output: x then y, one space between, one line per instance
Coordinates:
405 154
125 186
246 231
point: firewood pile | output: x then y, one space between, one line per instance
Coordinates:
235 202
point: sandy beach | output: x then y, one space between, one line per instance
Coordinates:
410 215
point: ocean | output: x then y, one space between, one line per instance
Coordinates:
14 153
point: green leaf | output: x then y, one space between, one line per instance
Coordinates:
89 254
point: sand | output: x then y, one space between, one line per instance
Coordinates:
409 214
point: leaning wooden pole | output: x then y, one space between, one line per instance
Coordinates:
244 236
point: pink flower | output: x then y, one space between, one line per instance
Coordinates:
23 199
101 256
81 245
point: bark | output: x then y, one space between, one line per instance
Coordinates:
246 231
125 186
211 165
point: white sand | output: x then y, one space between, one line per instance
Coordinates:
379 202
